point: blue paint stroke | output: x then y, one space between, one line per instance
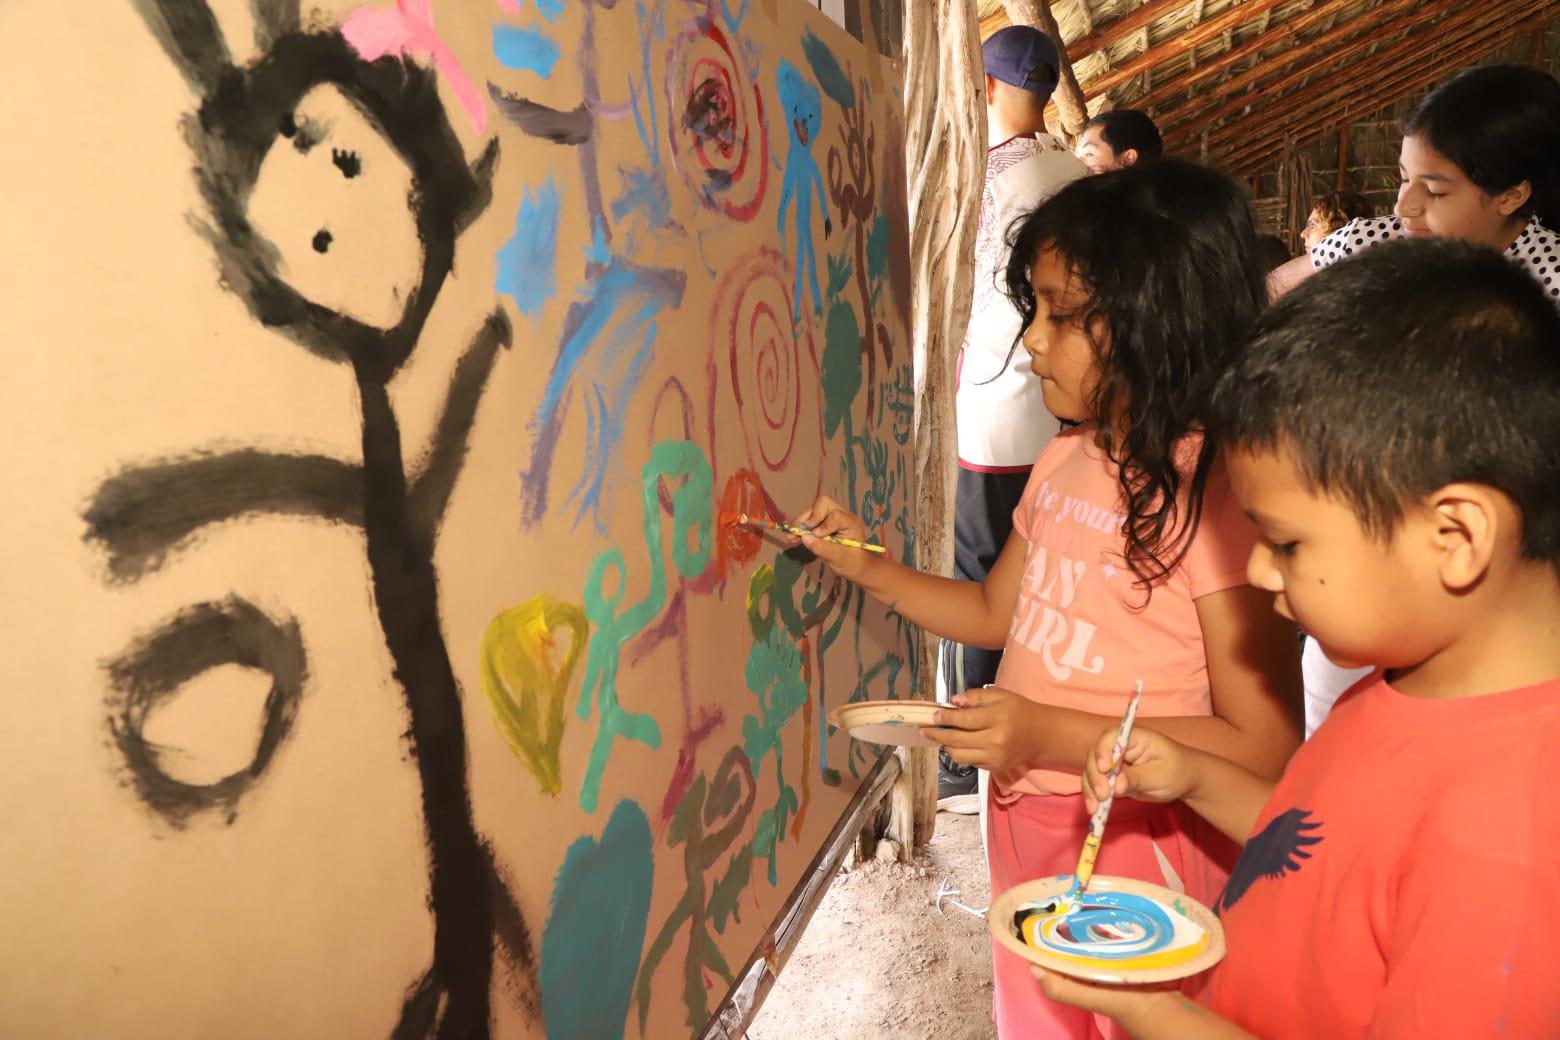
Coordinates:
1101 925
550 9
802 107
650 137
529 49
527 262
734 20
644 192
596 923
826 67
606 343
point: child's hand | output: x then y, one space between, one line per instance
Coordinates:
1131 1006
1154 768
826 517
990 728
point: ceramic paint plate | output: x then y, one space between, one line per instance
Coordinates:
886 722
1127 953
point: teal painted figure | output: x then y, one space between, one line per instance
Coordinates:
682 466
802 107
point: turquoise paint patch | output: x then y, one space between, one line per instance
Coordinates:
595 928
877 248
528 261
826 68
529 49
841 365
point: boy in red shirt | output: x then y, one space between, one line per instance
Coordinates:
1394 432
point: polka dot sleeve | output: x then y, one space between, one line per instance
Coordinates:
1355 235
1537 250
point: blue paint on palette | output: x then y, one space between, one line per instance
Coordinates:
595 928
826 67
527 262
528 49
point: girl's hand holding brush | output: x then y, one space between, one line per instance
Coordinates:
827 517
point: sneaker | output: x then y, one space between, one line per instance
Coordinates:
958 794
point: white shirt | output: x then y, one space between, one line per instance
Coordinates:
1003 423
1536 250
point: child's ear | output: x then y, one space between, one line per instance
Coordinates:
1468 525
991 90
1514 198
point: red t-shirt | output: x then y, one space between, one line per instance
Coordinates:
1404 879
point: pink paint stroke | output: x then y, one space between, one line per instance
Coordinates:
407 32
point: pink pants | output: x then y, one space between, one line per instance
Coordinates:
1039 836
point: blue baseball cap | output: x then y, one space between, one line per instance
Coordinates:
1022 56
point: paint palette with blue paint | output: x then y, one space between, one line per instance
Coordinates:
1118 930
888 722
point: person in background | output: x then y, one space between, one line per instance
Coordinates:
1118 139
1271 252
1331 212
1000 413
1480 162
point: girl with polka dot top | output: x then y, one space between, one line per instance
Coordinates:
1480 161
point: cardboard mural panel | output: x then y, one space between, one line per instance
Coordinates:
375 661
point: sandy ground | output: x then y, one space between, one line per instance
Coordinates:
878 960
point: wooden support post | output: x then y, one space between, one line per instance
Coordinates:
1068 95
945 127
1343 155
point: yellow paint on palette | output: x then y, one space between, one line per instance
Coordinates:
1159 959
525 677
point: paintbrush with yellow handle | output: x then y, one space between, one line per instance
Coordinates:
743 520
1091 844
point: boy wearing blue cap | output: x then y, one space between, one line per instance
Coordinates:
1002 421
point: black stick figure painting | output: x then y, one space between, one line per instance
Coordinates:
152 509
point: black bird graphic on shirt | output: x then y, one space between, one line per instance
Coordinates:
1276 851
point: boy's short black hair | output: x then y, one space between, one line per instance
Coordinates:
1414 365
1125 128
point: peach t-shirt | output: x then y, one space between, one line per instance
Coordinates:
1081 635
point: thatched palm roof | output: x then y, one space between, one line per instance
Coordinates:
1236 81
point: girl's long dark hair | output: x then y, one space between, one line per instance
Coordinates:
1168 256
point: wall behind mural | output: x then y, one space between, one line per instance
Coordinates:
375 663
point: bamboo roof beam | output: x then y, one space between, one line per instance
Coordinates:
1182 125
1104 35
1178 45
1213 66
1267 128
1387 93
1282 116
1402 78
1107 34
